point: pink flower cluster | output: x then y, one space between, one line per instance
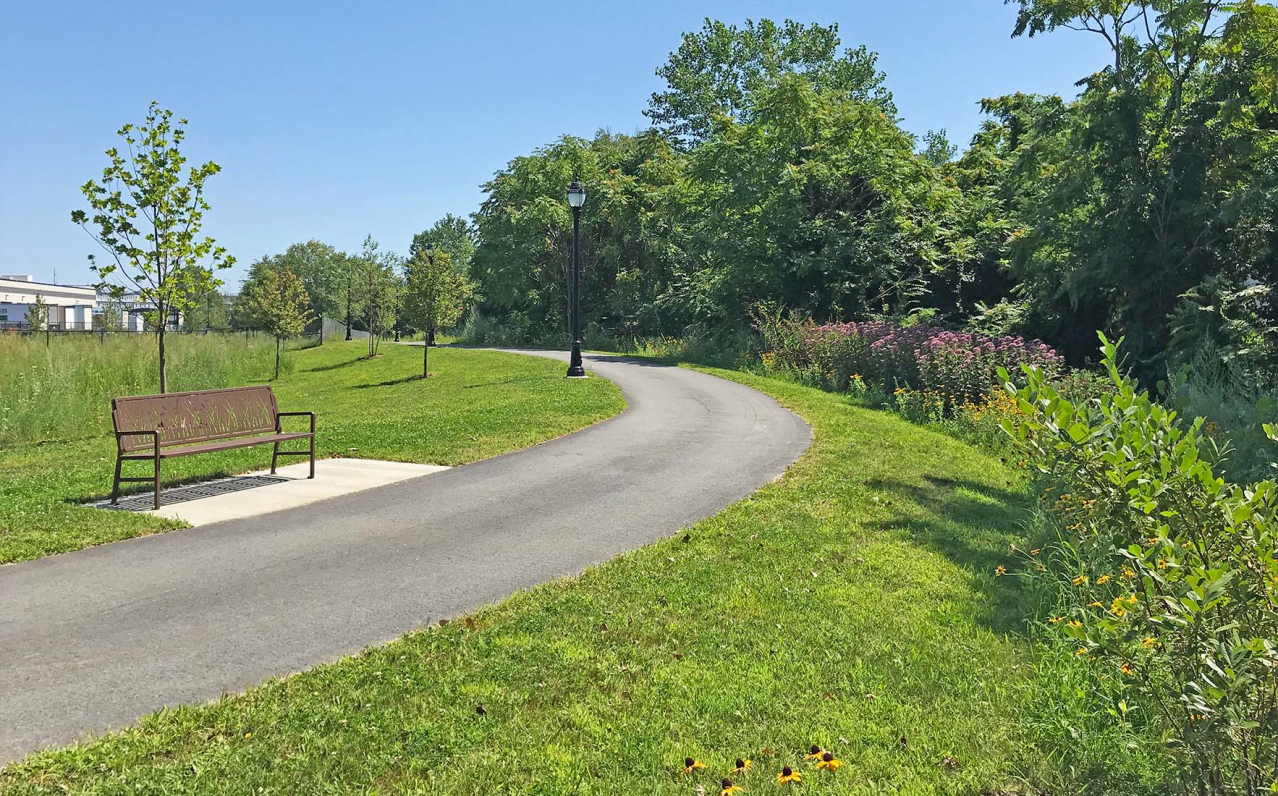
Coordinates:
957 366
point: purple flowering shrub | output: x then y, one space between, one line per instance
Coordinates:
958 367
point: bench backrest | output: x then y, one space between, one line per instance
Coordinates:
198 416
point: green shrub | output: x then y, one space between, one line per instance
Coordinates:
1236 403
1167 576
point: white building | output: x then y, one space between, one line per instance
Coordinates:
70 306
128 311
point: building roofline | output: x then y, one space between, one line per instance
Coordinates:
45 284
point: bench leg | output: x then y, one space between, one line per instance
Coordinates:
157 476
115 485
275 457
312 475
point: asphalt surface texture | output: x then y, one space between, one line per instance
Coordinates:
93 640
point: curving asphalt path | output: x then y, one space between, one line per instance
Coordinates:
94 639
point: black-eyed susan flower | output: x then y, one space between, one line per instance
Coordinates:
729 789
1127 669
1095 604
741 766
1000 570
1056 620
1080 580
691 764
1102 580
829 763
1162 563
1081 652
1075 624
788 775
1118 607
1036 551
1150 642
814 753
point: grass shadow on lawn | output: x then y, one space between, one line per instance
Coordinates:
991 518
521 380
390 382
346 363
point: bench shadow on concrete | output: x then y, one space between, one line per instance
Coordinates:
144 501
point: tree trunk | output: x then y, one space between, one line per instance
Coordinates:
164 374
425 356
348 309
277 358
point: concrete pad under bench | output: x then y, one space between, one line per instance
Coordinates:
254 494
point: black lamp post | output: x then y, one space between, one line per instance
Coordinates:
576 198
429 248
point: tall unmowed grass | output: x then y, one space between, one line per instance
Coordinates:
62 389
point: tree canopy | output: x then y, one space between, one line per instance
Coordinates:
777 174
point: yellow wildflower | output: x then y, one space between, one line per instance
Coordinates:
1127 669
690 765
1080 580
741 767
788 775
1000 570
1118 607
1150 642
1103 579
1056 620
1075 624
729 789
814 753
828 763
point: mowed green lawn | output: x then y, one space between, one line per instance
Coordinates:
851 604
475 404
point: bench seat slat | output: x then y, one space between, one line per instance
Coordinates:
243 442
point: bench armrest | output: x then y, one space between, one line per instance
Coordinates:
152 433
278 415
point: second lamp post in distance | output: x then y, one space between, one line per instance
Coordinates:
576 198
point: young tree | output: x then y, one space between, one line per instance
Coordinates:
320 267
147 217
375 289
434 295
278 303
37 314
112 315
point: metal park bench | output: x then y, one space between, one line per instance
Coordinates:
202 421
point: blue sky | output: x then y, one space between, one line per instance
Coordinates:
334 120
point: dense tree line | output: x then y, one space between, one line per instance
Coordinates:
777 174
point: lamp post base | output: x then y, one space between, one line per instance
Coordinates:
575 369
